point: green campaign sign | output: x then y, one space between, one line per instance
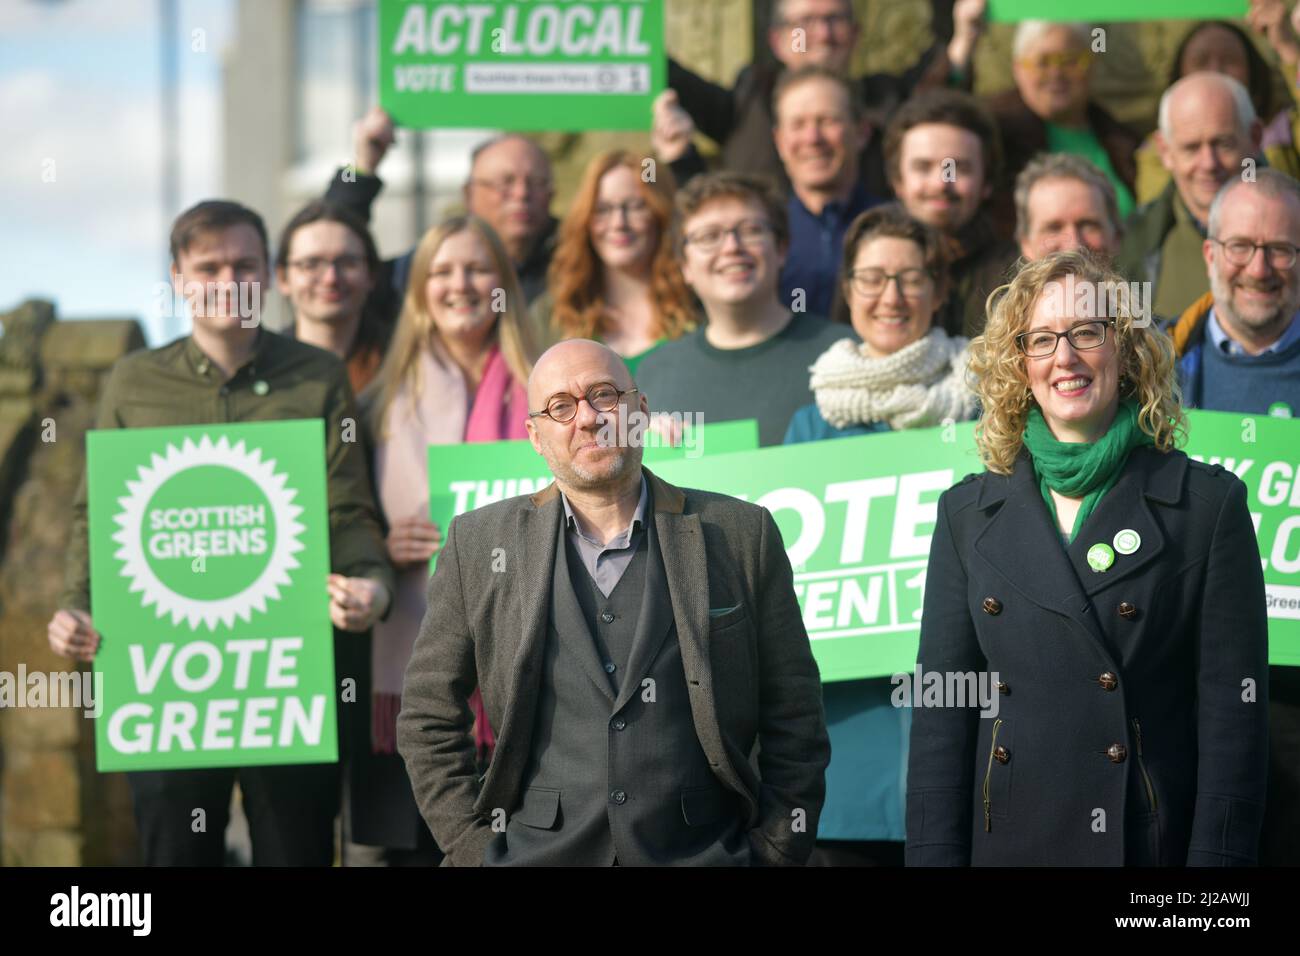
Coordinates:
209 551
564 65
1264 453
856 522
1100 11
857 526
465 477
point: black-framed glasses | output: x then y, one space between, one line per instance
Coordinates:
1040 343
749 233
1279 255
629 209
603 397
873 282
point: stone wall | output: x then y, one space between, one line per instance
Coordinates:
55 809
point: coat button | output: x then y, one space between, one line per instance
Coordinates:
619 796
1117 753
607 617
610 667
619 723
1108 681
992 606
1001 754
1127 611
1004 687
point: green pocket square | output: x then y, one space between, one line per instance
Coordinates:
720 611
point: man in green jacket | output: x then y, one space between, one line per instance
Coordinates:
1208 134
230 369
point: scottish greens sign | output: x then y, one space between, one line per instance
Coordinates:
514 64
209 555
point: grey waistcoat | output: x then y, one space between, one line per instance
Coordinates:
616 772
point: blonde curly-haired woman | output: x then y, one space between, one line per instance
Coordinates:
1112 590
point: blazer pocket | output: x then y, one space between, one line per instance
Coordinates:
540 808
704 805
723 617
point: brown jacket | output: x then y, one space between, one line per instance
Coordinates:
744 649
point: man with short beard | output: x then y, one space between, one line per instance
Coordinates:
943 156
1239 348
633 642
1240 342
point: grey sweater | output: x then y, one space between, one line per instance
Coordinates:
768 381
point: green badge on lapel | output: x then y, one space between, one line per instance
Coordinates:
1100 557
1127 541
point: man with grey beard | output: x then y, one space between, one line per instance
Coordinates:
633 642
1239 351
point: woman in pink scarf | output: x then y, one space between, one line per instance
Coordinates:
456 372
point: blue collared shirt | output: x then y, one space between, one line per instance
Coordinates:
1225 344
607 562
816 246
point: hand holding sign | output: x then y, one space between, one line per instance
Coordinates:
413 541
1270 17
372 137
672 129
356 603
72 635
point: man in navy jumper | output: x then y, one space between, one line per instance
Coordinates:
820 130
1239 351
1239 345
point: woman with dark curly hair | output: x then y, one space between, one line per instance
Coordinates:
1110 588
613 277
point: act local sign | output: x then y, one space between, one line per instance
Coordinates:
567 65
209 553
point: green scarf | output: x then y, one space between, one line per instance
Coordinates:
1084 469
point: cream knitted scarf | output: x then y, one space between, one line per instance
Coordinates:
918 386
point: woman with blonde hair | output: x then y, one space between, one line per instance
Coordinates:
1108 587
613 277
456 371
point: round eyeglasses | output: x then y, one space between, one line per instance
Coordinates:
1279 255
603 397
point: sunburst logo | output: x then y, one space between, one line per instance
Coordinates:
208 532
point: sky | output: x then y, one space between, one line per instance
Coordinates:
81 207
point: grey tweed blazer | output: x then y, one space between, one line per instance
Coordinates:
749 667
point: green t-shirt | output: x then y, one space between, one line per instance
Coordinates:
1084 142
632 361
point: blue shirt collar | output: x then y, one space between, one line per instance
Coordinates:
858 201
1225 344
638 519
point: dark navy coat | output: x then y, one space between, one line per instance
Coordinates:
1132 724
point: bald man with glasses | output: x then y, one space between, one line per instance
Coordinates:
637 644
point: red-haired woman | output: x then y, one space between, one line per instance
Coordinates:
613 276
